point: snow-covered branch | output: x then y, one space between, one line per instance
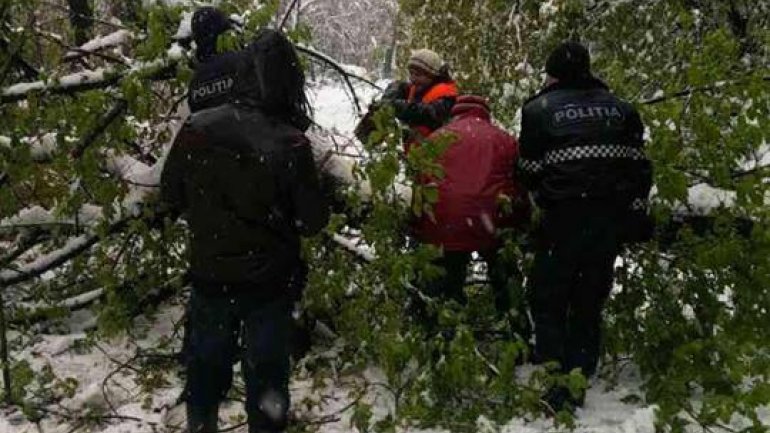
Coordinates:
36 217
77 82
353 246
72 248
342 168
121 165
75 302
346 75
687 92
94 79
113 39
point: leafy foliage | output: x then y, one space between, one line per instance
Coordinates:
690 313
691 307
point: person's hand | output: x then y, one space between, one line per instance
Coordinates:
396 90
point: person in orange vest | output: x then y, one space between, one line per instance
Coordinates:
424 103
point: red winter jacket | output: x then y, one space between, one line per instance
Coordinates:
478 169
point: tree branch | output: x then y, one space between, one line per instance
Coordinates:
24 243
71 249
286 15
81 19
116 110
93 46
689 91
29 71
336 66
84 81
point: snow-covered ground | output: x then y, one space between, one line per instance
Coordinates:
100 390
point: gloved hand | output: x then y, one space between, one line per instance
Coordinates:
396 90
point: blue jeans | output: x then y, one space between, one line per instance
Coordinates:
224 328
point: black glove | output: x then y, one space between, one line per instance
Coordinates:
399 106
396 90
298 281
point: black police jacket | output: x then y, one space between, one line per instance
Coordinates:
248 187
580 142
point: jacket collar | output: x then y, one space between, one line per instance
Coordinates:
471 106
585 83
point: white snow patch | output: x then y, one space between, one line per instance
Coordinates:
31 215
703 198
83 77
87 215
22 88
334 108
184 30
42 148
44 261
113 39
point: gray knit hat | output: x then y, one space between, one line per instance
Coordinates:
426 60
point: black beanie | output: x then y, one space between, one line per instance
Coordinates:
207 24
569 61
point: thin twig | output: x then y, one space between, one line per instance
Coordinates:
4 353
690 91
16 277
336 66
286 15
117 109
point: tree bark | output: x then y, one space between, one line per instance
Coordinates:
4 354
81 20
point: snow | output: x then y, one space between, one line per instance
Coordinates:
184 30
703 198
87 215
31 216
83 77
362 251
333 108
98 389
42 148
173 53
45 261
113 39
604 412
176 52
22 88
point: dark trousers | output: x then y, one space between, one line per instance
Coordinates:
504 279
223 328
571 280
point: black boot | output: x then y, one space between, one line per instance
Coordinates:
560 398
202 419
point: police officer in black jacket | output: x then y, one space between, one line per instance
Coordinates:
242 173
582 158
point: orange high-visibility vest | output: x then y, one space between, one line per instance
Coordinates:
438 91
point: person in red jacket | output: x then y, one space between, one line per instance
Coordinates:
478 177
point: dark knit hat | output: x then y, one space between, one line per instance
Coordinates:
207 24
569 61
